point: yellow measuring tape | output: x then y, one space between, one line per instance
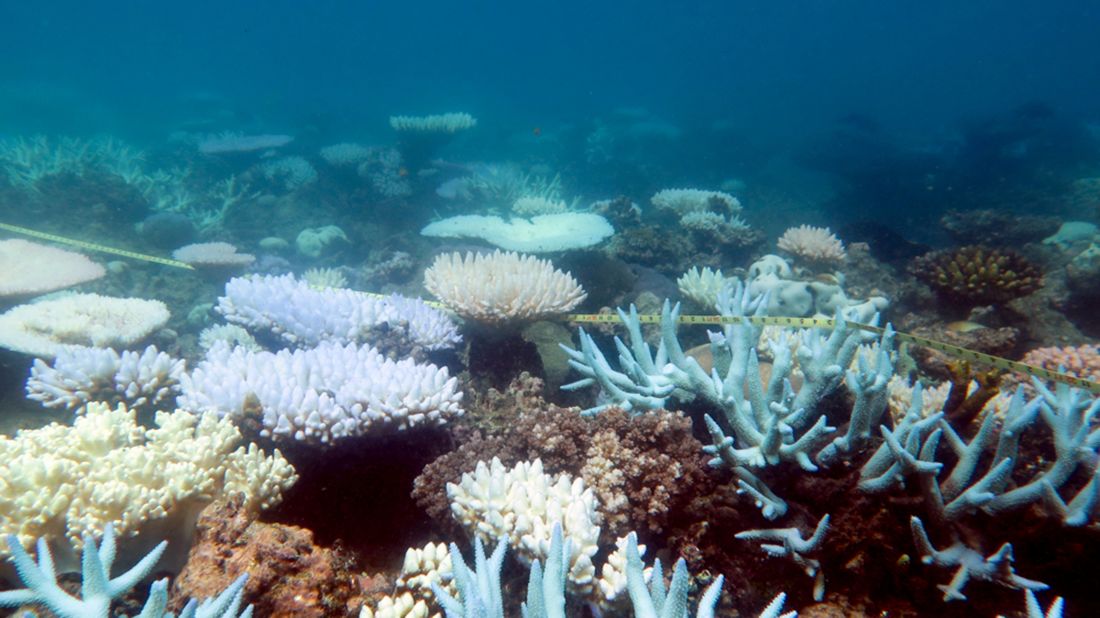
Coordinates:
94 247
966 354
951 350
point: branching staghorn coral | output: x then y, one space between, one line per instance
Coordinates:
910 450
98 588
763 418
788 543
81 375
996 568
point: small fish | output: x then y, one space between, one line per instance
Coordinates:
402 172
537 131
964 326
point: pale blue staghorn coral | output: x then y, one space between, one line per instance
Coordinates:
788 543
770 423
996 568
654 600
99 589
546 590
910 450
479 594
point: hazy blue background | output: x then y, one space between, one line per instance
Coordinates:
777 69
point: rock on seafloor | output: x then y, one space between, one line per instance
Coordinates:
288 575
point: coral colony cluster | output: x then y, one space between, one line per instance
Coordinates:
233 419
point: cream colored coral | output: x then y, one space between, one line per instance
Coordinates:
321 278
702 286
522 504
30 268
61 482
501 287
402 605
42 328
612 581
813 244
412 595
425 566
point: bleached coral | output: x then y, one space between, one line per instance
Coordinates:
30 268
412 594
702 286
231 334
62 482
344 154
816 245
292 173
436 123
325 278
501 287
321 394
45 328
238 142
304 316
540 234
82 375
684 201
385 170
530 206
212 255
712 223
523 504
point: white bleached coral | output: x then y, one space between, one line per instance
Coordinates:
684 201
212 255
61 482
501 287
322 394
436 123
44 328
30 268
304 316
702 286
412 592
523 504
816 245
82 375
540 234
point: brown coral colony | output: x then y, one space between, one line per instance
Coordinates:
977 275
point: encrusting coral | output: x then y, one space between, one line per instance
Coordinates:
977 275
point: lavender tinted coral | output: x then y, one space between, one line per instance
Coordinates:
302 315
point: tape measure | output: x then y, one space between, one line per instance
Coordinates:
951 350
88 246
